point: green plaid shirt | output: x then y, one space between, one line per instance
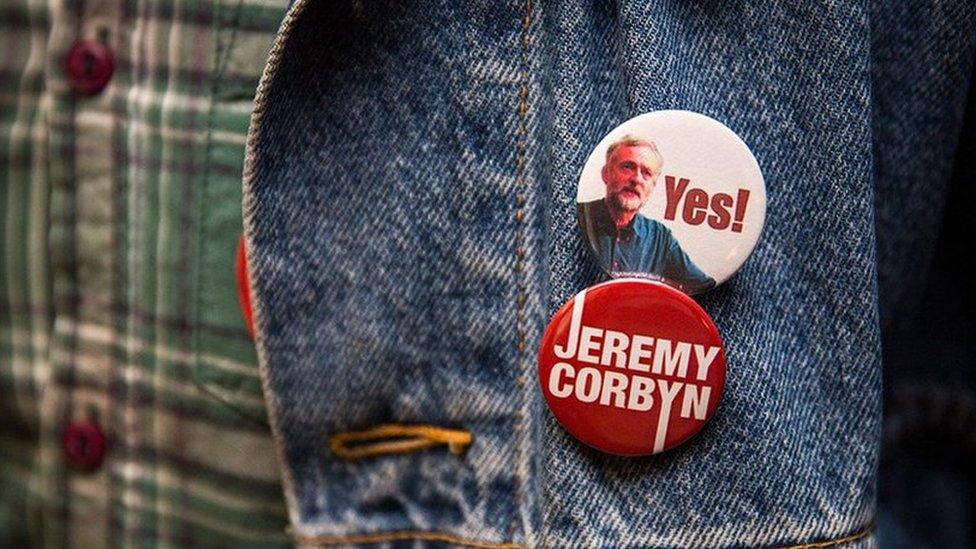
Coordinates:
119 218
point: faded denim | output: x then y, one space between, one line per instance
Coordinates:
411 220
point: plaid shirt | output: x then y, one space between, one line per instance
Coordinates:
119 217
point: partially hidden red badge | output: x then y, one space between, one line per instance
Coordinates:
632 367
244 286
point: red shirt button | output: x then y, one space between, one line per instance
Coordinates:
244 287
89 66
632 367
83 444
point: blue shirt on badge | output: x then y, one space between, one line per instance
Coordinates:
643 248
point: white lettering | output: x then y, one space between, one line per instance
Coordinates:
667 392
695 401
614 384
672 363
705 359
588 385
635 392
556 387
615 347
640 394
640 347
589 342
569 349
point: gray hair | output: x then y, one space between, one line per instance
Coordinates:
633 141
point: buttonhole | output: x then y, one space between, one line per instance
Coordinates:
397 439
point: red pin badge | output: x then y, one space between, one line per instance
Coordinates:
244 286
632 367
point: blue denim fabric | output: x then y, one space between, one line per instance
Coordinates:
411 220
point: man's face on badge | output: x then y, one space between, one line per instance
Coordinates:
629 175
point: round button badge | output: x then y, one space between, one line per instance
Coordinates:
244 286
673 196
632 367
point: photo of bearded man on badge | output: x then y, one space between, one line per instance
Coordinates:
627 242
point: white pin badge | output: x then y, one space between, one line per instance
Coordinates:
673 196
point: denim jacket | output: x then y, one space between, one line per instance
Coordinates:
409 202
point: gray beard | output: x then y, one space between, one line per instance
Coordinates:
625 205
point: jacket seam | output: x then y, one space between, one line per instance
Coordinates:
404 535
251 162
848 538
521 298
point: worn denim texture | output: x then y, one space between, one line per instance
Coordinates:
410 214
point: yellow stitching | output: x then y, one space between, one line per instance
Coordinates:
396 439
402 536
834 542
520 251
